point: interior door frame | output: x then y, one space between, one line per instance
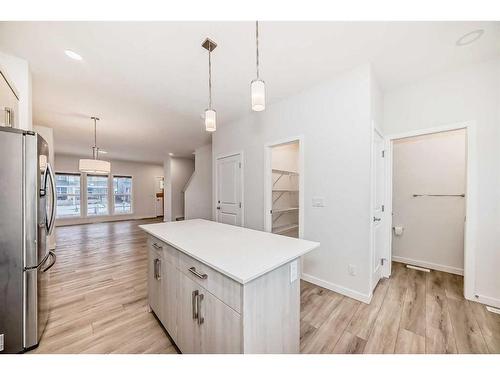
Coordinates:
385 218
242 186
156 178
470 223
268 181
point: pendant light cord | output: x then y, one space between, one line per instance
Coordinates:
210 77
257 45
95 150
95 136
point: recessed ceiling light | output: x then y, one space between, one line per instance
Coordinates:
73 55
470 37
170 154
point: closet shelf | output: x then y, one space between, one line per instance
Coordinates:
289 173
283 210
285 228
285 190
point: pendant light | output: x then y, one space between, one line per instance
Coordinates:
95 165
258 86
210 114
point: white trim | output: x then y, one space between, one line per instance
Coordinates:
268 181
470 196
365 298
493 310
242 183
432 266
100 219
495 302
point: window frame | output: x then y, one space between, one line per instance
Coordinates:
87 195
69 217
131 194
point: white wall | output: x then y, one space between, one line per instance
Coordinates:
469 94
143 189
335 121
286 157
19 76
48 134
198 194
178 171
433 234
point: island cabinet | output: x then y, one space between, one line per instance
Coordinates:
208 307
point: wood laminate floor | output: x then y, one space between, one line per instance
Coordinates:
99 305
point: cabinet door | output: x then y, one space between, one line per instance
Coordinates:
168 300
8 105
188 331
221 327
154 282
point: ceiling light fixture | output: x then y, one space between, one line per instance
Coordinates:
94 165
73 55
470 38
210 114
258 86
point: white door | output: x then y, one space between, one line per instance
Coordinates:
378 214
229 190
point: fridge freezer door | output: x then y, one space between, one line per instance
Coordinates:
11 239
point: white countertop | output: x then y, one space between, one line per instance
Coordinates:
239 253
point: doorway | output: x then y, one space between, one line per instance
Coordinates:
432 199
229 189
284 187
159 195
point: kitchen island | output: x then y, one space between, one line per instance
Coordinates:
218 288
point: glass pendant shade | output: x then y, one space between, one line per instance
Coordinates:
258 95
94 166
210 120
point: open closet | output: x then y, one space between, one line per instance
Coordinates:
285 189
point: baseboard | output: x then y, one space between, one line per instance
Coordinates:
102 219
433 266
485 300
365 298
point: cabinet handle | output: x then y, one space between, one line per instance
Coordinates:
156 246
8 116
198 309
202 276
157 269
194 304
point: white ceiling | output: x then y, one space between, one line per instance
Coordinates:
148 80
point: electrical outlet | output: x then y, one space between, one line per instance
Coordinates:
351 269
318 202
294 271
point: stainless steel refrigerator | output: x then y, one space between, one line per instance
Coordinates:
27 217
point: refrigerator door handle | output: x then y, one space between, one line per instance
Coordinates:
54 258
50 173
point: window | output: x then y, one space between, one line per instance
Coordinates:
68 195
122 194
97 195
